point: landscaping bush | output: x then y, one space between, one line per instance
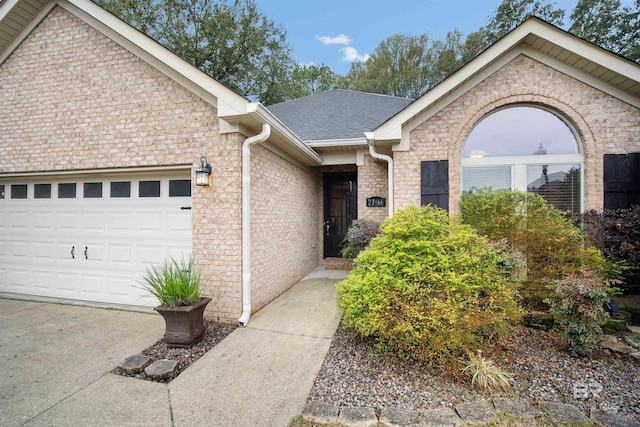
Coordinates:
358 237
577 308
429 289
552 245
617 234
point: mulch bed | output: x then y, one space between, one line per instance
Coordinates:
214 333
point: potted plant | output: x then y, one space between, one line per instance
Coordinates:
177 286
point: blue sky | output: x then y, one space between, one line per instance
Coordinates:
356 27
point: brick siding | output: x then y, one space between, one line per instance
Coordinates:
72 99
284 207
604 124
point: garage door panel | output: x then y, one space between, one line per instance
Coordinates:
67 220
18 249
120 254
178 223
18 278
43 241
42 280
92 221
66 283
43 251
93 286
121 221
43 221
150 222
18 221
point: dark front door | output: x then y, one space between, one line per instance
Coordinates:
340 209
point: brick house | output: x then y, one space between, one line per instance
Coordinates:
102 131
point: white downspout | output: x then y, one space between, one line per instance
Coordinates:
246 221
389 160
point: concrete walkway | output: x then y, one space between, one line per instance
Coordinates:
258 376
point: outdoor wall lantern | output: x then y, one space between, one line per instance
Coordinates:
203 172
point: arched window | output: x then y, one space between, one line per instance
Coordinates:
529 149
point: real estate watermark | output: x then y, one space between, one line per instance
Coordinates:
591 389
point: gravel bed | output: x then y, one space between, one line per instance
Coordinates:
355 374
214 333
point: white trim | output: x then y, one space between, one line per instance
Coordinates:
341 158
345 142
26 31
502 52
156 55
529 160
128 170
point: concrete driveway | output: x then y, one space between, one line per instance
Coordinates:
55 362
54 356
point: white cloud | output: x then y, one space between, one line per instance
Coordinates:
350 54
339 39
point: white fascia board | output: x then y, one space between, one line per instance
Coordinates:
345 142
392 130
266 116
341 158
156 55
582 76
25 31
6 7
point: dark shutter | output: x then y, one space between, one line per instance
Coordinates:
621 180
434 183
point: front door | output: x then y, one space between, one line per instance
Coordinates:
340 209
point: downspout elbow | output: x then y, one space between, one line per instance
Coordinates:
246 221
372 151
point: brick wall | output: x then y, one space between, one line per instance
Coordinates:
604 125
70 98
284 207
372 181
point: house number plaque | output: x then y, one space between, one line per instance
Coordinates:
376 202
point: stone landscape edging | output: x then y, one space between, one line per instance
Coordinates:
475 412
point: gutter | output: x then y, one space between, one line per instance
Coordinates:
372 151
246 221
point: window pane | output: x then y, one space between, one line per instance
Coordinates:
18 191
42 191
557 184
496 177
149 189
121 189
92 190
179 188
520 131
67 190
2 191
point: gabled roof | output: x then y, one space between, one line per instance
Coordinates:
542 41
18 18
337 114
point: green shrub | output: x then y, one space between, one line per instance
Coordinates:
429 290
173 283
358 237
552 245
577 307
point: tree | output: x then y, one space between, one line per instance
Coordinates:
511 13
233 42
607 24
309 79
398 67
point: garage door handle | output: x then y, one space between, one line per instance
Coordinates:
86 248
73 252
185 208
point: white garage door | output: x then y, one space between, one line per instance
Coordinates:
91 238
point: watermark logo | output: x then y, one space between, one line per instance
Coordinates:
585 390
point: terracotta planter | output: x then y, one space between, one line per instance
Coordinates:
184 325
